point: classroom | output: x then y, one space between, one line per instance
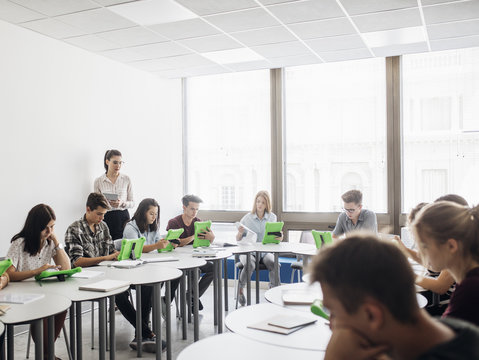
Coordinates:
317 114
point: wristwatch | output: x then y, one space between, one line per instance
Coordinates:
59 246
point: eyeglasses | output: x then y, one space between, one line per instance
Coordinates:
116 162
349 210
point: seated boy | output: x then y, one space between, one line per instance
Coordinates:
368 287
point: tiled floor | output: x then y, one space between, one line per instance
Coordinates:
125 332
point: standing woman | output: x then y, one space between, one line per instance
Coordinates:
256 221
112 182
32 250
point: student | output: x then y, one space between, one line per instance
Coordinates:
354 217
145 223
441 283
88 243
447 235
256 221
32 251
368 287
186 221
113 182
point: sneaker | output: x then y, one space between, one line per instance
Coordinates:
149 345
242 299
133 344
200 305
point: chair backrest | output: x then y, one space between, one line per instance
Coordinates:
306 237
322 238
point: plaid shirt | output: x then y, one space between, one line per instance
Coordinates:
80 241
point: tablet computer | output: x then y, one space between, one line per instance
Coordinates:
131 248
201 227
322 238
60 274
272 230
4 265
173 234
111 196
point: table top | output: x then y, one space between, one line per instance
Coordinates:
313 337
144 274
282 247
184 261
221 253
50 304
275 295
223 346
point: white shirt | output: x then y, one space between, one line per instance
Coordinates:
122 187
23 261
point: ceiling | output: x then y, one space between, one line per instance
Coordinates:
182 38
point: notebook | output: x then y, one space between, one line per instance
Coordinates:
20 298
282 324
127 264
104 285
160 259
299 297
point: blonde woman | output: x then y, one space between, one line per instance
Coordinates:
256 221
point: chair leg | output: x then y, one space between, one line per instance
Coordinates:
292 275
28 343
237 293
67 343
92 325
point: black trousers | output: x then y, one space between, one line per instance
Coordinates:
116 221
128 311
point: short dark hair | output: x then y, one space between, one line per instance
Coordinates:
140 215
37 220
191 198
108 155
414 211
363 265
95 200
353 196
458 199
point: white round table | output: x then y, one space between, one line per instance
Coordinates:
236 347
313 337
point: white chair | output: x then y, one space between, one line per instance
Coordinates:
297 266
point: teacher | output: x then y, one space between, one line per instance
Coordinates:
117 189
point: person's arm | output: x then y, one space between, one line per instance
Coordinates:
96 185
208 235
22 275
86 262
129 203
413 254
160 244
370 222
338 229
240 234
346 344
185 241
4 280
60 258
439 285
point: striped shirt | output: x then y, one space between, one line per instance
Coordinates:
122 187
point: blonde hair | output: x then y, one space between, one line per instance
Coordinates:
266 196
447 220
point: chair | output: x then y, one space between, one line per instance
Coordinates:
297 266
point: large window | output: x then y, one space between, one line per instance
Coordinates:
335 135
440 125
228 138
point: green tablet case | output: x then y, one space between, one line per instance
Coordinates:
322 238
61 274
173 234
4 265
201 226
272 227
127 245
318 309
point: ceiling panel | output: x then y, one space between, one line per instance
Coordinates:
152 65
394 50
305 59
57 7
208 7
17 14
454 29
250 65
281 49
205 70
242 20
112 2
211 43
323 28
272 2
334 43
160 50
388 20
451 12
92 43
343 55
355 7
184 29
270 35
125 55
54 28
97 20
132 36
306 11
455 43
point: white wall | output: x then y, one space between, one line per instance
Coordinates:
60 108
